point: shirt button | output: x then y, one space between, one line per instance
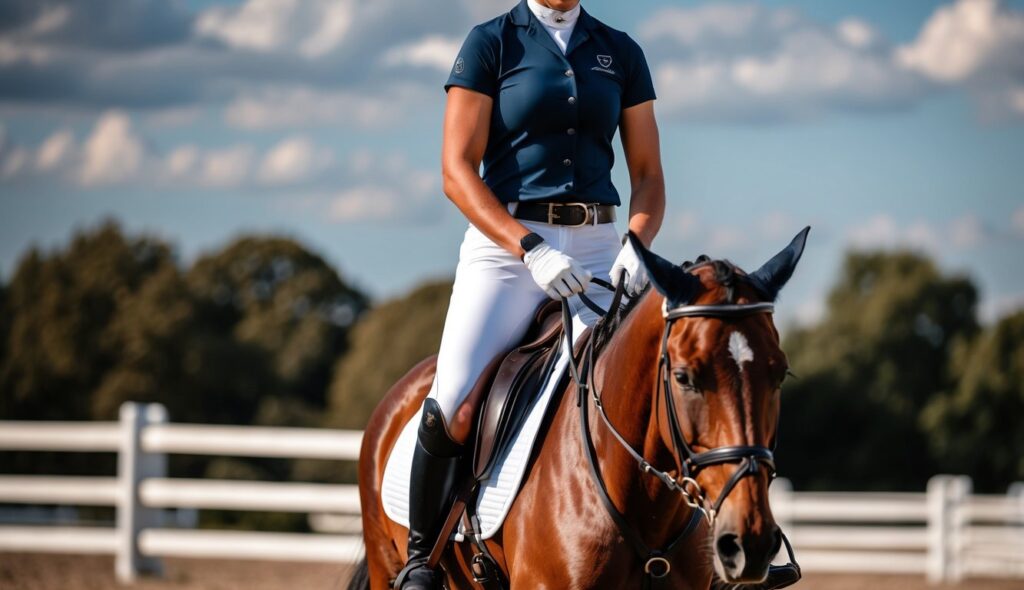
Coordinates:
568 73
567 162
572 100
571 131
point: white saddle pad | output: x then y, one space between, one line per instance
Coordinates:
498 492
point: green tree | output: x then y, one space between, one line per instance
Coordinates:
386 343
275 295
975 428
851 419
170 353
59 307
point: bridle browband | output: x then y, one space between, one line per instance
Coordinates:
750 458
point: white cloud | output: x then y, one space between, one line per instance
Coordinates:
738 62
56 150
19 54
385 187
857 33
226 167
367 202
292 160
883 231
13 161
112 153
50 20
433 51
977 44
294 107
749 62
964 38
181 163
311 28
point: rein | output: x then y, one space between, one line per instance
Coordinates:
750 458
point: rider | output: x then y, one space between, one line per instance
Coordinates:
536 95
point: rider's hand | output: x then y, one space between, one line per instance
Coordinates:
557 274
627 267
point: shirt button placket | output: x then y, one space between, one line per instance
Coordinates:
571 130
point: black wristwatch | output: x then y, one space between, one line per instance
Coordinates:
530 241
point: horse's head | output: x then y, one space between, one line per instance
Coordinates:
720 382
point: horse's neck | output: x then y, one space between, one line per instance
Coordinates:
626 376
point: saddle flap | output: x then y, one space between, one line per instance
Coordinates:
516 382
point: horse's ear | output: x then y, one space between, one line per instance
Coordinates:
678 286
770 278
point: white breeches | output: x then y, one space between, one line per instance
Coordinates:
494 298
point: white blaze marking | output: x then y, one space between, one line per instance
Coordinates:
740 349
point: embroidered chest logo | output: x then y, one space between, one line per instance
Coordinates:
460 65
604 60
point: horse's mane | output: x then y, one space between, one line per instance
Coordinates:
725 274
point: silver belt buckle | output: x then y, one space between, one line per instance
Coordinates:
552 216
587 216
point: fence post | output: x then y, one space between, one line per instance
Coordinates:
938 528
960 492
1016 494
947 518
134 465
1015 521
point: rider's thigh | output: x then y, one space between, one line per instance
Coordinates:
492 303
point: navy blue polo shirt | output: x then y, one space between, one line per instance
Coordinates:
554 116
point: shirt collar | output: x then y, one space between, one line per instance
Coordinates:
521 16
552 18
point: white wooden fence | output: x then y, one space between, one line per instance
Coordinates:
946 533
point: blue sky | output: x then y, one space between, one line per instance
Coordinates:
881 124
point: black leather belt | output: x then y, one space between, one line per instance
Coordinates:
574 214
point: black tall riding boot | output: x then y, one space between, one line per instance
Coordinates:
434 477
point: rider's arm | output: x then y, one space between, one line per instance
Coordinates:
640 143
466 124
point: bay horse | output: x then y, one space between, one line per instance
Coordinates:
653 471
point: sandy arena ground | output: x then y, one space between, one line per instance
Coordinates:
19 571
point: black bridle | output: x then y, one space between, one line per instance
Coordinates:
750 458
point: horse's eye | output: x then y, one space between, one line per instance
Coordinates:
682 377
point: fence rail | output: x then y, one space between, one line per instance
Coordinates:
946 533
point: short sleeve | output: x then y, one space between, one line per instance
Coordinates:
476 66
639 85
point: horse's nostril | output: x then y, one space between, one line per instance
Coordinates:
728 546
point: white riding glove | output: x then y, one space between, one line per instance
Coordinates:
627 266
557 274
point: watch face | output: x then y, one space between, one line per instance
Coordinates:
530 241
